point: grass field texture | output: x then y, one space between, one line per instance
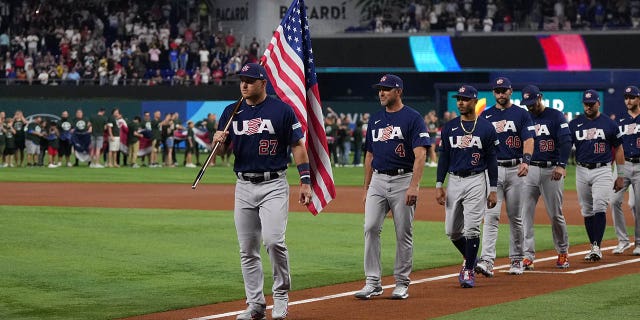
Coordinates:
343 176
97 263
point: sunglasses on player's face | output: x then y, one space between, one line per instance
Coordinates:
590 104
463 99
629 97
500 90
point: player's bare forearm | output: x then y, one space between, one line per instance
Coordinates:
300 156
619 156
527 146
220 137
411 196
299 152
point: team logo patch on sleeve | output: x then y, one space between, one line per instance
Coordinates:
564 125
296 126
424 135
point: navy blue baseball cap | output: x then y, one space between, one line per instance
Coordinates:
253 70
530 95
466 91
590 96
502 82
632 91
389 81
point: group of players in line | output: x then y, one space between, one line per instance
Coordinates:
507 154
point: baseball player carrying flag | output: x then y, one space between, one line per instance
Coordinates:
261 130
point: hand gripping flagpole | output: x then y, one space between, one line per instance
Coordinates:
215 147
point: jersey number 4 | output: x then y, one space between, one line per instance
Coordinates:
267 147
400 150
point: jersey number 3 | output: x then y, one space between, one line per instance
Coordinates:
267 147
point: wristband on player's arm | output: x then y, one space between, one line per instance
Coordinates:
526 158
438 185
620 169
305 173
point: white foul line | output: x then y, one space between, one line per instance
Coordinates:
446 276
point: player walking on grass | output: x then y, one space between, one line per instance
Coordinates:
629 127
396 149
262 132
515 131
467 150
552 145
594 136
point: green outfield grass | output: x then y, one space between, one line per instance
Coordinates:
343 176
98 263
612 299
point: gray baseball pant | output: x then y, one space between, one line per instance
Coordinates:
509 189
260 215
388 193
594 188
538 182
464 207
631 180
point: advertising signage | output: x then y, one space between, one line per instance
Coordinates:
569 102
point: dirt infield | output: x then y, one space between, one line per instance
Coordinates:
428 299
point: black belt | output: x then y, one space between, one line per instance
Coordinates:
509 163
543 164
592 165
465 173
258 177
633 159
394 172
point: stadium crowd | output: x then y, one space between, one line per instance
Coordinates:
115 42
103 140
124 42
499 15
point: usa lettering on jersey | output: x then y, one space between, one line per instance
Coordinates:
387 133
466 141
590 134
253 126
630 129
542 130
504 126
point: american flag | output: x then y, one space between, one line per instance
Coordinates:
253 126
289 64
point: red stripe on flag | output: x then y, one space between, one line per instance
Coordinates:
289 64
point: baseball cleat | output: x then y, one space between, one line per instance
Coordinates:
467 278
621 247
595 254
563 261
280 309
400 292
369 291
527 264
516 267
485 268
252 314
636 251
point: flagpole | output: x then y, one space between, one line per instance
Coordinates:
215 147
